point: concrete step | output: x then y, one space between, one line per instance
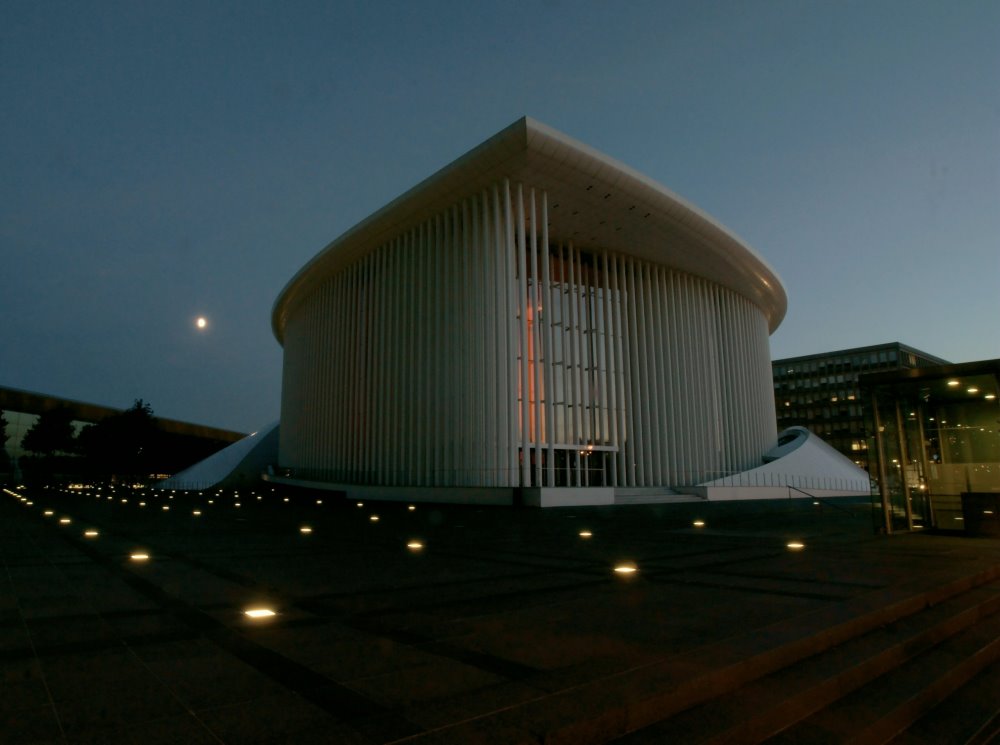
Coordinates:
970 716
652 495
774 702
624 702
888 705
659 499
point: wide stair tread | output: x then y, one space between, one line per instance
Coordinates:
612 705
885 707
970 716
767 705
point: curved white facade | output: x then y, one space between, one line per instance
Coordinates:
534 315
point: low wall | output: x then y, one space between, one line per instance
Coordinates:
735 493
568 496
441 494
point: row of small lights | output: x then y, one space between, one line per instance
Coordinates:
622 569
971 390
413 545
142 556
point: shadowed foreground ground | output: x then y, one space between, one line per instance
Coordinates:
506 626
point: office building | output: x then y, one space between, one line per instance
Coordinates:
820 391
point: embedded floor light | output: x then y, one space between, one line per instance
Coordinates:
585 534
626 569
48 513
699 523
258 612
795 545
374 518
138 556
412 507
64 521
305 529
414 545
361 504
196 513
319 501
166 508
90 533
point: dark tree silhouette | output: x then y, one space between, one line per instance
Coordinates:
121 444
51 434
4 458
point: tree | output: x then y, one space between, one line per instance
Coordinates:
4 458
51 434
122 443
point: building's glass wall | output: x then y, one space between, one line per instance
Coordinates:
581 350
18 424
933 440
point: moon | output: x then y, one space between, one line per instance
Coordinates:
201 322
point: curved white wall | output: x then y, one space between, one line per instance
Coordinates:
444 354
240 463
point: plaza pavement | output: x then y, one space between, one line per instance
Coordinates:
504 626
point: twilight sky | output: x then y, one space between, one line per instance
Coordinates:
160 161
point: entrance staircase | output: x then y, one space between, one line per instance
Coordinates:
652 495
902 666
921 670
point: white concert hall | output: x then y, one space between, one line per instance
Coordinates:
536 322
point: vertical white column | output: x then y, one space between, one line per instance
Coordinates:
660 433
547 311
624 423
384 454
490 366
441 372
536 346
683 375
574 361
651 398
569 356
499 321
510 359
411 268
422 341
583 352
610 371
467 341
523 341
640 425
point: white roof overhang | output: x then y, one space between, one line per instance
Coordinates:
593 200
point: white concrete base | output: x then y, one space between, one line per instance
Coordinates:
735 493
503 496
568 496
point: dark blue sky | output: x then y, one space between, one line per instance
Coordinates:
164 160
